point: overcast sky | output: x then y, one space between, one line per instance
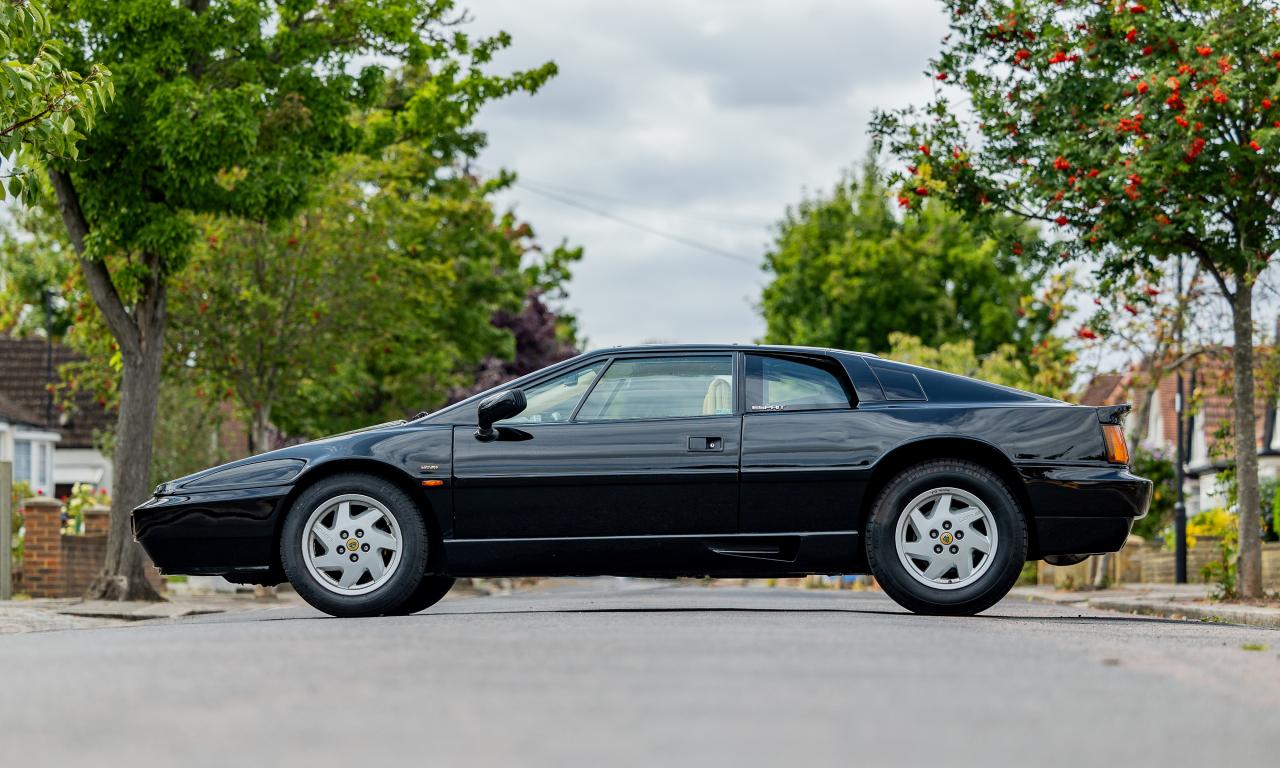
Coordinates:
702 120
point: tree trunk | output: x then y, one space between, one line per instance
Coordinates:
123 575
140 334
261 435
1246 442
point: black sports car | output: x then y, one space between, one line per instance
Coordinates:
670 461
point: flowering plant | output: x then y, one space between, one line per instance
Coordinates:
82 496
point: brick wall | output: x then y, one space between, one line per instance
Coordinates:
1271 566
1158 567
42 555
1145 562
55 565
82 558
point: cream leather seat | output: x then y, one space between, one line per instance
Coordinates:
719 398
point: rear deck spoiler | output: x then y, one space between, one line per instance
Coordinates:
1113 414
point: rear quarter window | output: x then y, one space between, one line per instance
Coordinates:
898 385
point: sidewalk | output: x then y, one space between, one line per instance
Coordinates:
41 615
1174 601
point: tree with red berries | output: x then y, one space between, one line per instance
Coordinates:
1135 132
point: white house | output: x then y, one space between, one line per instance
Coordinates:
29 446
1213 405
51 446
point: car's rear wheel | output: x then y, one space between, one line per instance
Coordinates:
355 545
946 537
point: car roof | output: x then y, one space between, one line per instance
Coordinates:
985 391
627 349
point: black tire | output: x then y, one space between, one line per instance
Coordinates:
430 591
910 591
401 585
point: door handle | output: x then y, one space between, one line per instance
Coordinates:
706 444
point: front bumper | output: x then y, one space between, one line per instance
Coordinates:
212 532
1083 510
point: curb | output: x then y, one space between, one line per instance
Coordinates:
1247 615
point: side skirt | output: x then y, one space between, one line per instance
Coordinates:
736 555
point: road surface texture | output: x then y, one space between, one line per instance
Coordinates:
613 673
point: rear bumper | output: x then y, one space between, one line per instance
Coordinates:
1083 510
228 532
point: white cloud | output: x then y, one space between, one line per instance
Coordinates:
702 119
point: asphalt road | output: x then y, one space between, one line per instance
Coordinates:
613 673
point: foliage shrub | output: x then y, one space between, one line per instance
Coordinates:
1213 523
21 490
1156 467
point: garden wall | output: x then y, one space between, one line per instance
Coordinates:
57 564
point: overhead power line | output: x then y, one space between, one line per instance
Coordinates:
681 239
732 221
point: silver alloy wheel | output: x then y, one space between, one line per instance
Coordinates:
351 544
946 538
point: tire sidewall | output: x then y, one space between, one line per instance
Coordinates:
402 585
1010 526
431 590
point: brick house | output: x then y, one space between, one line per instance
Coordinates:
51 447
1159 432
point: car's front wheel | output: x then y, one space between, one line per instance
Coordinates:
946 537
355 545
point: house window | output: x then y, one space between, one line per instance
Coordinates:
1155 422
44 474
22 461
1199 448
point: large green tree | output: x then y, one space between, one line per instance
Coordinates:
1139 131
847 273
45 107
374 302
233 107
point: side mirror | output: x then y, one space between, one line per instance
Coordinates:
501 406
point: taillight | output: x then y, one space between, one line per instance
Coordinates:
1117 448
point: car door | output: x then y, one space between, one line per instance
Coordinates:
797 474
649 448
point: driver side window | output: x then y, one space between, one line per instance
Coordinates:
552 402
666 387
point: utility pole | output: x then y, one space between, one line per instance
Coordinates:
1180 506
6 530
47 295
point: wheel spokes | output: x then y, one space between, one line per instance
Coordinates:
327 537
351 573
938 568
920 522
348 537
342 517
942 509
377 540
946 537
978 542
920 550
